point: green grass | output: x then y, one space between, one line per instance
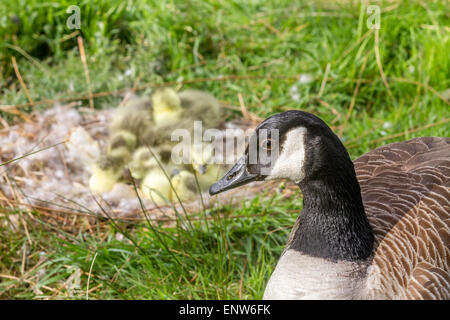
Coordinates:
221 257
130 44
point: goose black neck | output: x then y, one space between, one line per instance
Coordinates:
333 223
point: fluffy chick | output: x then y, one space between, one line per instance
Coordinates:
152 169
202 159
134 116
142 162
109 168
200 105
156 186
103 179
106 172
166 106
173 111
184 185
121 146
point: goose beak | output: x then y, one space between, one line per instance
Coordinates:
237 176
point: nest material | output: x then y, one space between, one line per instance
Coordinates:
56 179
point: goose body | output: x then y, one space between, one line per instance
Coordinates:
377 228
405 189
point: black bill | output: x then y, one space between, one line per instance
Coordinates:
237 176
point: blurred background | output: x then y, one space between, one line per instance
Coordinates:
375 71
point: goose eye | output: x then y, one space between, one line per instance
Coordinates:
266 144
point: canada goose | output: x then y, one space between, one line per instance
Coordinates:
202 159
380 232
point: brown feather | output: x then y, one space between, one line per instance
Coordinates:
405 189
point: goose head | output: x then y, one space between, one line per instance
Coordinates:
300 147
293 145
332 251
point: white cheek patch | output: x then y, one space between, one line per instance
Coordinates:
289 164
